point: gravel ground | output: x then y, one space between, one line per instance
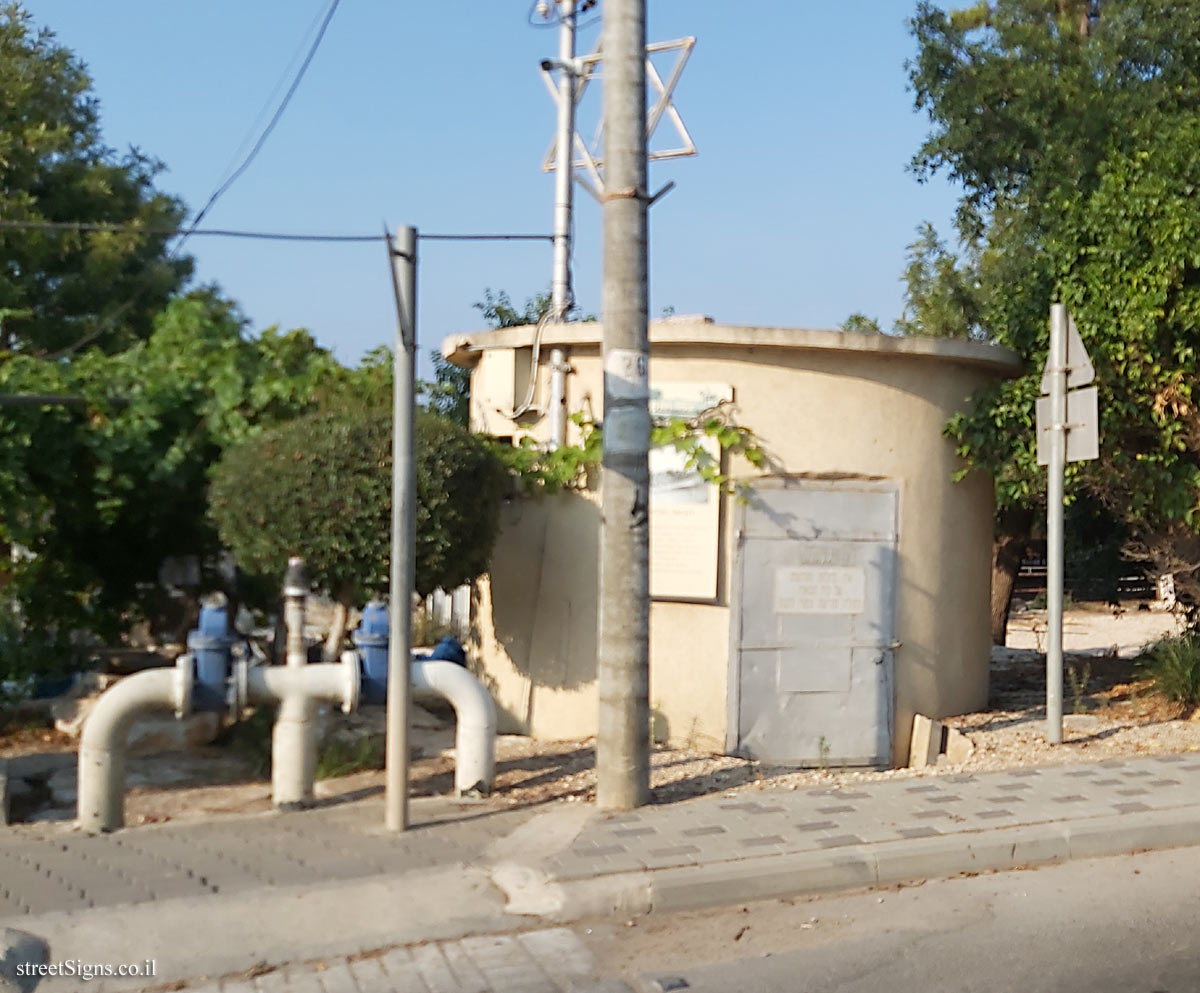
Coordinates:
1116 717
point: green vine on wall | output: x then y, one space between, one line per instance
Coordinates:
568 467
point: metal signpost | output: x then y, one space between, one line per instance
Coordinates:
403 259
1067 431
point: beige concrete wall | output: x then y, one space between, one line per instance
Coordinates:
822 402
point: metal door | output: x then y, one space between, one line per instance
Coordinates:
813 632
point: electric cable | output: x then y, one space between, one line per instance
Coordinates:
271 124
88 226
272 98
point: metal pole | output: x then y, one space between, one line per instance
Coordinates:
622 744
564 186
404 505
1054 522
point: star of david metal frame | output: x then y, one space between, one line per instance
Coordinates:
589 161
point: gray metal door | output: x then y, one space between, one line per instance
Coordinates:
814 622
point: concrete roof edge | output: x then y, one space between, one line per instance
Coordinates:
464 349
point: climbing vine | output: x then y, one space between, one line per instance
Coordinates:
569 467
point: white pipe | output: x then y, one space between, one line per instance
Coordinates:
558 397
101 803
475 735
293 745
294 737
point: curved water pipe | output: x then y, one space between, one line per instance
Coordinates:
475 721
101 802
475 712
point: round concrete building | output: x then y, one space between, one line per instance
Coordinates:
806 621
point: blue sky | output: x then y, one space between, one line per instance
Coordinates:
796 212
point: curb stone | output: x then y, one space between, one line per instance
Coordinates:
861 866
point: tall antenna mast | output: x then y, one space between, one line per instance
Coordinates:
561 295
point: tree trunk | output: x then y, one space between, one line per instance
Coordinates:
1007 552
337 632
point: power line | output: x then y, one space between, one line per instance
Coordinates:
486 237
273 97
89 227
266 133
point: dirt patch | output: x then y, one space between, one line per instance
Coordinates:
27 738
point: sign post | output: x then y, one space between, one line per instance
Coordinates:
1067 431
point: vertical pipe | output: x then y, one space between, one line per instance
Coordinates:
294 737
1054 522
564 186
295 592
622 744
558 397
404 504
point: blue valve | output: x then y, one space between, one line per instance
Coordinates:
211 646
371 640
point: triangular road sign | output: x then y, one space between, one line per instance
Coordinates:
1079 365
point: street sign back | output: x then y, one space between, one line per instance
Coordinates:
1083 427
1079 365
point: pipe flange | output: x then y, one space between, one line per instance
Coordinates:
184 680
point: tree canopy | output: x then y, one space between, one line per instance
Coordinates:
100 492
1071 127
320 486
62 289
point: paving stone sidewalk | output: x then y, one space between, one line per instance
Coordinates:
546 961
739 826
556 863
51 868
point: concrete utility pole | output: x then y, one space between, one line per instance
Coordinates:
404 504
564 181
622 744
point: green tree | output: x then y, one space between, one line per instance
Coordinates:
1069 126
500 312
861 322
100 493
449 395
320 486
62 289
941 299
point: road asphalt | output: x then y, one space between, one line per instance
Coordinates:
480 890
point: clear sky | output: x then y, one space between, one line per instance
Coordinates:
796 212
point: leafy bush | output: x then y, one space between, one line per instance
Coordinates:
321 487
1173 665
